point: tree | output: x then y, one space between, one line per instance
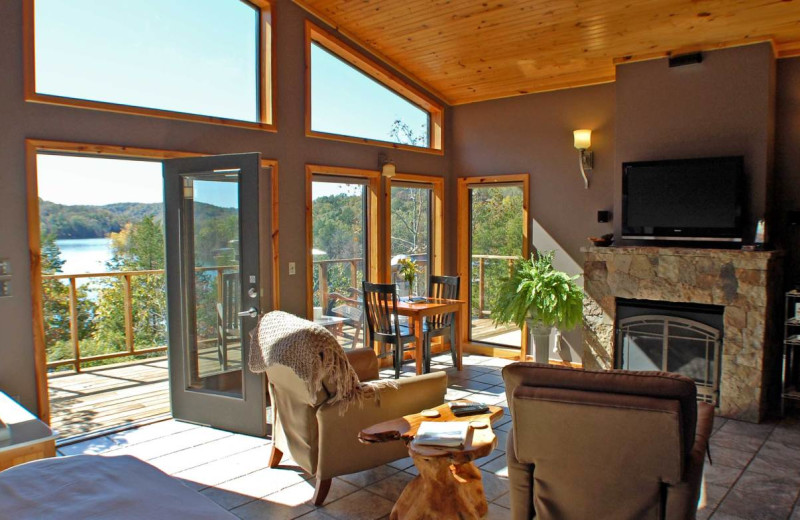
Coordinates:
137 247
403 133
55 303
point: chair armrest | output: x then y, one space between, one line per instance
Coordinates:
682 499
340 451
520 480
364 362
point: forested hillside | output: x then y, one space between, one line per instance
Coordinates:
93 221
98 221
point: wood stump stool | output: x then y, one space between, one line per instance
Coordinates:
449 485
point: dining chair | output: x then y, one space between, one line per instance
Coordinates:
441 287
383 323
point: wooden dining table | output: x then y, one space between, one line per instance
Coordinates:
416 311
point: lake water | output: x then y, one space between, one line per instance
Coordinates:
85 255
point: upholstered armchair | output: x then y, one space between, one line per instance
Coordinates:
325 443
604 445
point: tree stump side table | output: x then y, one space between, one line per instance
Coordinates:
449 485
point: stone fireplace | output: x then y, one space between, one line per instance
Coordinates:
743 284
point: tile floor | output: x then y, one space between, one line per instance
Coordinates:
755 475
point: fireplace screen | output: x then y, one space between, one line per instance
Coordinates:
672 344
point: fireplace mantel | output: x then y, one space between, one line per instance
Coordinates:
745 283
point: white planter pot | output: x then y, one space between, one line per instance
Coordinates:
540 338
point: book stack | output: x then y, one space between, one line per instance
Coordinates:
445 434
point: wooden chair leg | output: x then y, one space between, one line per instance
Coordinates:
453 352
321 489
398 359
426 354
275 457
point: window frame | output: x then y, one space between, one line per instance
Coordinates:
375 256
266 61
436 230
389 79
35 146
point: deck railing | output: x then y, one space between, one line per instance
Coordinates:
482 260
130 343
482 275
324 265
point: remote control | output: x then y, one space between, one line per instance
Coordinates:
472 409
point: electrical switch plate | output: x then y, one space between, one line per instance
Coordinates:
292 268
5 287
5 267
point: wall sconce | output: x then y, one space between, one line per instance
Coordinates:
583 141
387 166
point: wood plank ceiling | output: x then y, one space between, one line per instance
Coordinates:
469 50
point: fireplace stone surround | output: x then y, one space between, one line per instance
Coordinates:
745 284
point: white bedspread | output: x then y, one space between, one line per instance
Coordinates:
89 487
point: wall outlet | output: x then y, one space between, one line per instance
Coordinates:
292 268
5 267
5 288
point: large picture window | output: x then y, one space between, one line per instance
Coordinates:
207 60
352 98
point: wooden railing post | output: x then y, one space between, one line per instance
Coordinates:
128 306
73 324
481 286
323 285
353 274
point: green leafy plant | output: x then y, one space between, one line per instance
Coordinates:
409 270
537 291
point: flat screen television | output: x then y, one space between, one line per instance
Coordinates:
687 199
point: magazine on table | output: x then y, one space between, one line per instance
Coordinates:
447 434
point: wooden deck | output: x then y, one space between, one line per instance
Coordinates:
107 397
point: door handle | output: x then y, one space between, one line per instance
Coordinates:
252 312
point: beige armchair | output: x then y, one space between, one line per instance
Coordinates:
604 445
323 442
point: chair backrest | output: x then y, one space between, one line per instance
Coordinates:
380 304
231 294
600 444
445 287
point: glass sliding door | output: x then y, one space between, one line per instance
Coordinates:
411 231
496 238
339 249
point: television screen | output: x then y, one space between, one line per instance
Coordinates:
692 199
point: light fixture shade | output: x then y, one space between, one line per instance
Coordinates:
388 169
583 139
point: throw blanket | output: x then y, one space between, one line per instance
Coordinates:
312 353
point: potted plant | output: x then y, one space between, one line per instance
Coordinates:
543 297
408 270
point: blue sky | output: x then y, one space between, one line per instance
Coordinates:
195 56
182 55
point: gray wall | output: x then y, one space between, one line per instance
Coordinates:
722 106
20 120
787 166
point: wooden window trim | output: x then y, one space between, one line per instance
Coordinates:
35 146
382 75
267 94
463 259
375 253
436 184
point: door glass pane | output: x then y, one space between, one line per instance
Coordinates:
214 348
496 226
339 229
410 235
